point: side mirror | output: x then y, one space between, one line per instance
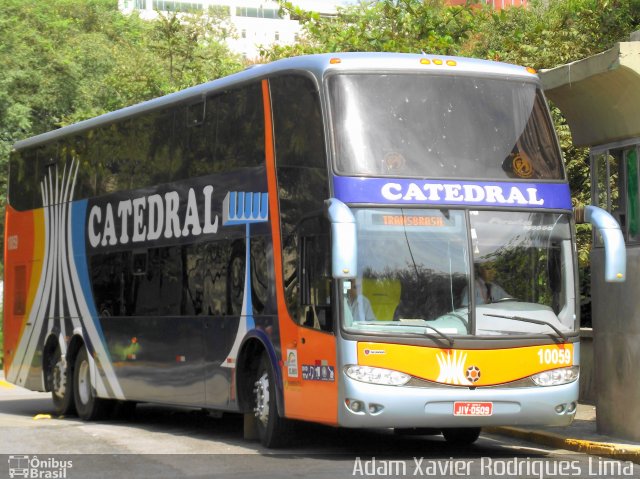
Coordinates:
344 245
615 254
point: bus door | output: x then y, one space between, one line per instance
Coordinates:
311 386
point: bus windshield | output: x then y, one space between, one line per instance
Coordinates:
416 268
437 126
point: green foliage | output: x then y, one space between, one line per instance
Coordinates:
547 34
192 47
385 25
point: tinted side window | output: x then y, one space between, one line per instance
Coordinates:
111 282
235 127
193 139
199 279
24 191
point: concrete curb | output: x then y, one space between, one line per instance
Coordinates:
622 452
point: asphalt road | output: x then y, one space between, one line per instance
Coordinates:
158 442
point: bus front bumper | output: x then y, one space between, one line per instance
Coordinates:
411 407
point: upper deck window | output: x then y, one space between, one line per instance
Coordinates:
435 126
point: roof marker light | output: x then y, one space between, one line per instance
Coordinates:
437 61
335 61
451 63
532 70
425 61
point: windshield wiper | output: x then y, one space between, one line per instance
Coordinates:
533 321
441 334
446 337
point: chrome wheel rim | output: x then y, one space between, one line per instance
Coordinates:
261 394
59 378
84 383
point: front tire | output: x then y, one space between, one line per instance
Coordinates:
88 406
462 436
274 431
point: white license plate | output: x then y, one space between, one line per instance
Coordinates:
463 408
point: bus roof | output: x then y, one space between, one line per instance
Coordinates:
316 64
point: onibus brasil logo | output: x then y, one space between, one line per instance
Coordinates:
35 467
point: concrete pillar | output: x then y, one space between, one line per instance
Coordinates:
616 343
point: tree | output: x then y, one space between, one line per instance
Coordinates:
193 46
385 25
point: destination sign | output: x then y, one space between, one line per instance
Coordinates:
408 220
451 193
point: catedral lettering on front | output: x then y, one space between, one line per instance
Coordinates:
287 243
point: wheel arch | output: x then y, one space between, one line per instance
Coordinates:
254 345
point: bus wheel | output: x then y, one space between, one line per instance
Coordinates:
60 379
272 429
462 436
88 406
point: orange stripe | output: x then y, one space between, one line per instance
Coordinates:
274 212
26 229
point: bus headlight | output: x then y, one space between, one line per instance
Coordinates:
368 374
556 377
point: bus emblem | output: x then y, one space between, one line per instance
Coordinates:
522 166
473 373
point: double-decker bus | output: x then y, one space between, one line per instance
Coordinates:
358 240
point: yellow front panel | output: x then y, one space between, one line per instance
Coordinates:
470 367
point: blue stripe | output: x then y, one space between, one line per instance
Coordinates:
78 219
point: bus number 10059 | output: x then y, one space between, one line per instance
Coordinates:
554 356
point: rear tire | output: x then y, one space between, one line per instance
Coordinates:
61 382
463 436
88 406
415 431
274 431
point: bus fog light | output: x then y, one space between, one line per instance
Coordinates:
556 377
371 375
560 408
355 405
375 408
571 408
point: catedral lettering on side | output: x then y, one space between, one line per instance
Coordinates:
151 217
462 193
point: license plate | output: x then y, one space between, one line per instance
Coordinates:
461 408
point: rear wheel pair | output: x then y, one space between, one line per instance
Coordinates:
71 388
